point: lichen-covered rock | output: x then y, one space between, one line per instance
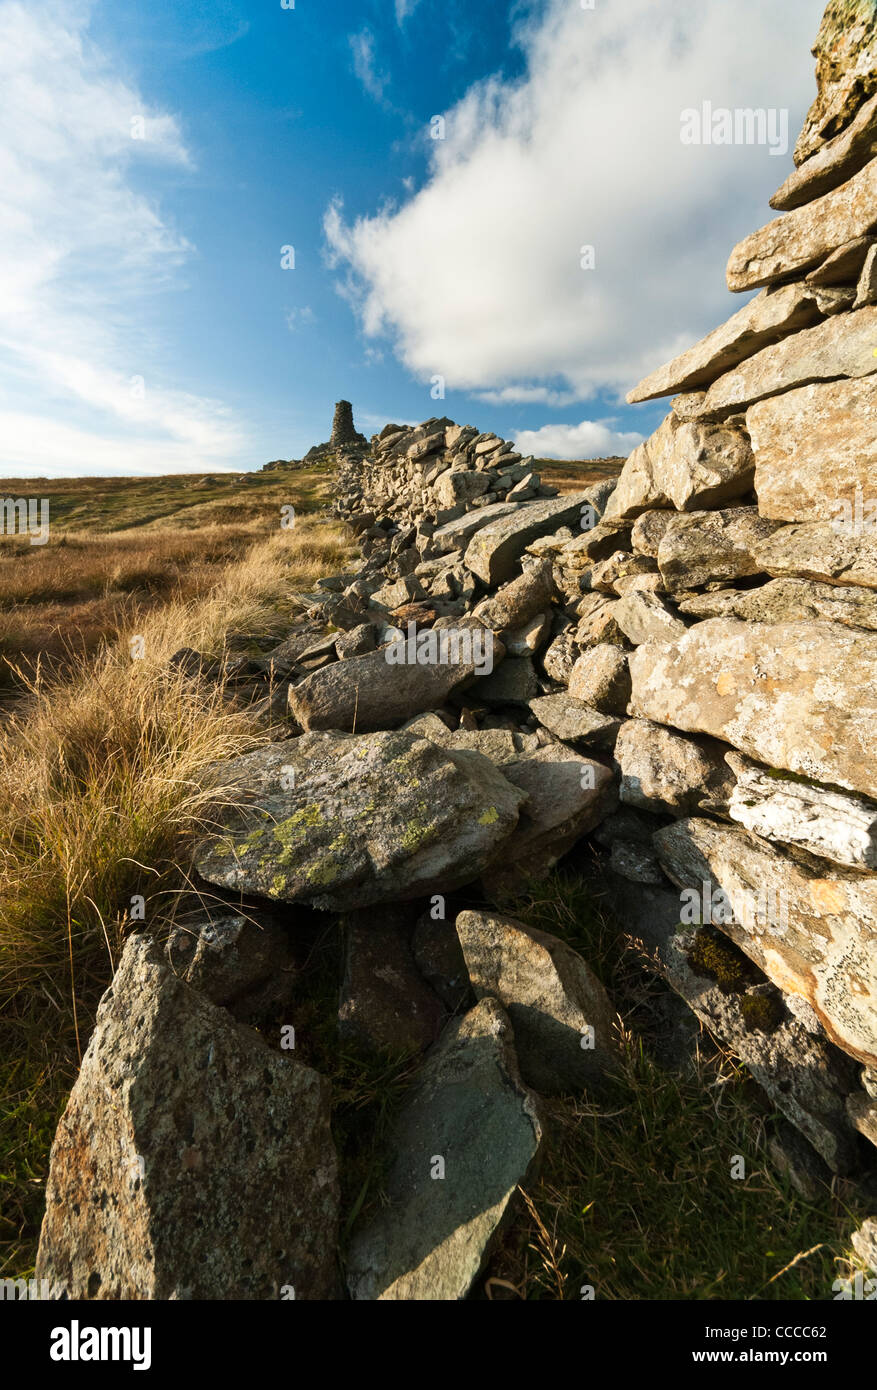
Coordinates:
798 240
663 771
688 466
846 72
601 678
233 956
467 1136
842 346
833 825
833 164
831 553
810 926
192 1161
711 547
800 696
341 821
523 598
495 550
561 1014
647 618
573 721
788 601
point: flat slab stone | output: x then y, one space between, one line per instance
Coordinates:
495 550
799 696
177 1114
574 721
340 821
766 319
815 447
789 601
842 346
812 930
455 535
467 1136
798 240
816 550
833 164
833 825
710 547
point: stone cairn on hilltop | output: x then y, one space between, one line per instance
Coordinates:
677 669
345 439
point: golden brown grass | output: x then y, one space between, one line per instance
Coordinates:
100 797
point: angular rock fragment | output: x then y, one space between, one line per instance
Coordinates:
789 601
468 1135
663 771
833 164
574 721
601 679
646 618
833 825
560 1013
711 547
846 73
178 1111
837 552
495 550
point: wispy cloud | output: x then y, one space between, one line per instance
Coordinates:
404 8
82 254
374 79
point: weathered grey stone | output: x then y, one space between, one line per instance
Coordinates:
863 1115
812 930
573 721
835 299
375 691
455 535
385 1005
601 678
530 594
798 1161
800 696
341 821
833 825
356 642
846 72
636 862
687 466
494 551
177 1111
527 639
797 240
458 485
470 1109
560 656
789 601
646 618
767 318
827 552
662 771
866 288
814 448
610 576
567 795
840 347
648 532
560 1013
711 547
831 165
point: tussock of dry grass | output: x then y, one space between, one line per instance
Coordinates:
101 795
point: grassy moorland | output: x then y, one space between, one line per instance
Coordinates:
100 798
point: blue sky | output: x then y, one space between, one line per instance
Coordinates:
156 156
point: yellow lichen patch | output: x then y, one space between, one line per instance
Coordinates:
724 683
489 816
827 896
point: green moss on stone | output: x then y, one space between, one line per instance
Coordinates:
762 1013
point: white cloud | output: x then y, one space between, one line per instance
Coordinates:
591 439
363 46
528 395
81 256
478 275
404 8
300 318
